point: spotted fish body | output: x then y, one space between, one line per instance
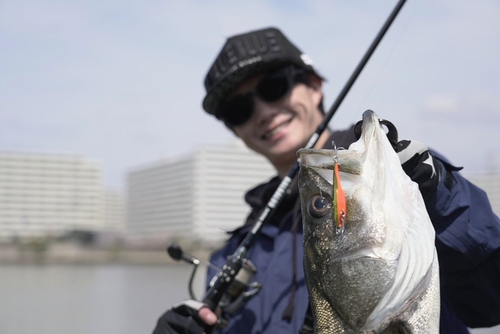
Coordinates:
381 274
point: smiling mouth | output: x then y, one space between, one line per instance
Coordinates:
276 130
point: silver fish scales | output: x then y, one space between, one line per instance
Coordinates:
381 275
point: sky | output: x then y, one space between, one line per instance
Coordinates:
121 82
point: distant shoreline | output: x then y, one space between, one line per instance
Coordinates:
69 253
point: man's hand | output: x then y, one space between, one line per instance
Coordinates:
420 166
207 316
189 317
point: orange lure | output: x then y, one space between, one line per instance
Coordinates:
339 201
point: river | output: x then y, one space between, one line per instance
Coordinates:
125 299
83 299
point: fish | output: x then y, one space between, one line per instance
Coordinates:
380 272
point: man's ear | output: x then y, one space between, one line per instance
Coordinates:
315 82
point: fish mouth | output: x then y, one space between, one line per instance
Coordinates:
368 123
276 129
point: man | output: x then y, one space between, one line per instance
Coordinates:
267 92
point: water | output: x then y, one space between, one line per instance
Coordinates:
89 299
94 299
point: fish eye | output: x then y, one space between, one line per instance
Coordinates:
319 206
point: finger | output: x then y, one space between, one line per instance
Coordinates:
207 316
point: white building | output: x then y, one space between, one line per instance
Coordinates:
114 211
199 196
44 194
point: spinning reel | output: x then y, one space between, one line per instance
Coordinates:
240 290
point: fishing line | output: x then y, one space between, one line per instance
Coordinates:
384 66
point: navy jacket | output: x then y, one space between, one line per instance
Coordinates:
467 242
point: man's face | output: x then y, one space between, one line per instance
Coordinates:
278 129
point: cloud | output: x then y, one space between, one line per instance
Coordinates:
445 104
476 108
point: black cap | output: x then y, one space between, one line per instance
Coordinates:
246 55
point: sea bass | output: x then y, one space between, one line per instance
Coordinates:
379 272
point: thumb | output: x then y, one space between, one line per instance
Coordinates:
207 316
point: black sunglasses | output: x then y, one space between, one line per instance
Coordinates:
238 109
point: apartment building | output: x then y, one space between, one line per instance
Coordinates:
199 196
50 194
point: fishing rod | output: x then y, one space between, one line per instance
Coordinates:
226 277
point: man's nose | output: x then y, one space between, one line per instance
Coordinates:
264 111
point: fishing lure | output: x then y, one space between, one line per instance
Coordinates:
338 195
